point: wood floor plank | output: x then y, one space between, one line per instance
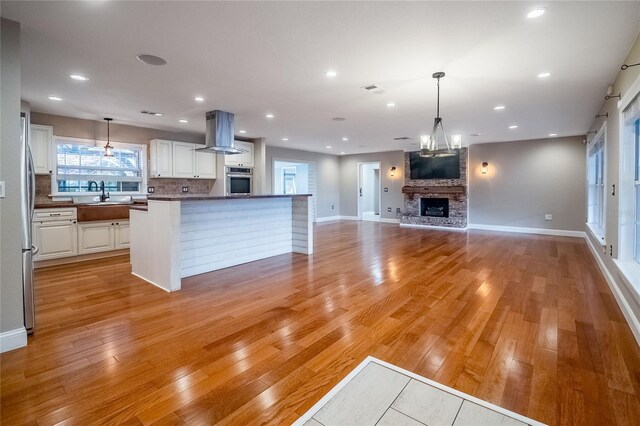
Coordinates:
523 321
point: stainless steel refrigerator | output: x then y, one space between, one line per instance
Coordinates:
27 200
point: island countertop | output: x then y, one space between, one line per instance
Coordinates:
196 197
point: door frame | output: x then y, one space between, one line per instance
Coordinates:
312 168
359 185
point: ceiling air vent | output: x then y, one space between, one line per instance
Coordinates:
374 89
157 114
402 138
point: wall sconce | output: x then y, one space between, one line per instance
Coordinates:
484 167
393 171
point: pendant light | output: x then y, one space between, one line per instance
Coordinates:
431 145
108 149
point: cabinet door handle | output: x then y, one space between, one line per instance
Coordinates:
74 221
117 223
112 224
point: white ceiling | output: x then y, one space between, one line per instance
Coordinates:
251 58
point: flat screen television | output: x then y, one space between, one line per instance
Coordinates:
434 167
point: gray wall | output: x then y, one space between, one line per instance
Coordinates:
349 182
11 302
527 179
327 176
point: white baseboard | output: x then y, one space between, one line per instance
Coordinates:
632 320
14 339
524 230
385 220
327 219
349 218
438 228
150 282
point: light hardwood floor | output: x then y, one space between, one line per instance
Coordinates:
526 322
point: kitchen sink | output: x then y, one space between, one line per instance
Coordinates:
94 200
102 211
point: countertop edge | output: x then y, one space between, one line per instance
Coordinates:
213 197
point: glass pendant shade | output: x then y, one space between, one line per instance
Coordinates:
108 149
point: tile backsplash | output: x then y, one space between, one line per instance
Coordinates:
163 186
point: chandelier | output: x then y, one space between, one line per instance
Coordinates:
437 144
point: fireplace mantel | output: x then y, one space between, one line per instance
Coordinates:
412 190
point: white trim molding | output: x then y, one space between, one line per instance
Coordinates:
437 228
327 219
13 339
525 230
349 218
623 303
387 220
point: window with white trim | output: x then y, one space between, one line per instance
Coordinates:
81 166
596 217
636 249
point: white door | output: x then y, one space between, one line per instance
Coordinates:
122 235
206 165
41 143
55 239
369 191
161 158
184 164
96 237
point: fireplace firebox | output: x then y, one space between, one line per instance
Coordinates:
434 207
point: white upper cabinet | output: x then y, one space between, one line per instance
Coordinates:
41 144
172 159
245 159
206 164
184 160
161 158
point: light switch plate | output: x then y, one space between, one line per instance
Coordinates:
386 190
2 189
548 216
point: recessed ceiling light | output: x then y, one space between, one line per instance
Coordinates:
269 115
199 99
391 104
328 146
553 134
536 13
182 120
499 107
513 126
78 77
544 74
151 59
55 98
242 132
475 134
342 152
285 139
345 139
158 114
338 119
331 73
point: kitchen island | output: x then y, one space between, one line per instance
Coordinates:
181 236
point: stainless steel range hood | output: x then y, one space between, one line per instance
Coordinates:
219 137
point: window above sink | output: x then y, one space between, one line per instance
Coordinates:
80 165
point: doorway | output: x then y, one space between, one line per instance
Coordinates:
369 191
295 177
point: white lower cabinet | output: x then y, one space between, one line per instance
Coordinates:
94 237
55 239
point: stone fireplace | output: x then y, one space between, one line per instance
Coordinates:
436 202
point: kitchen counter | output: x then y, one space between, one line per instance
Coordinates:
182 236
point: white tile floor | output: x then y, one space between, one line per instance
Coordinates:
381 394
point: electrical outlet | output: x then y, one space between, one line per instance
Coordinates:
386 190
611 250
2 194
548 216
151 189
185 189
397 209
389 209
332 207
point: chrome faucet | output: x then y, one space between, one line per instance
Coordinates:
103 197
91 183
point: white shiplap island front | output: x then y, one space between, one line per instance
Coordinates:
181 236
